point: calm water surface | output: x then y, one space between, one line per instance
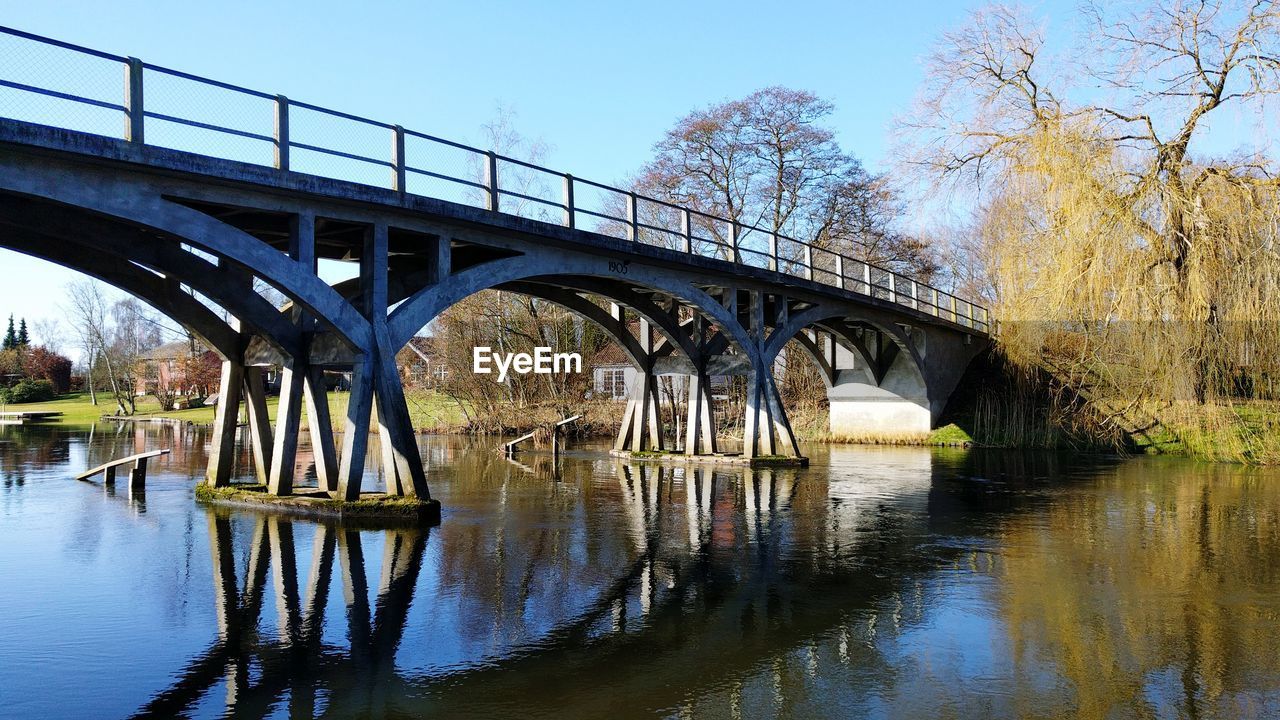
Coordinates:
905 583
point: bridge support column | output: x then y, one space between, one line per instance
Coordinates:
402 463
641 423
355 431
700 431
376 379
255 400
766 429
284 452
222 455
866 411
320 424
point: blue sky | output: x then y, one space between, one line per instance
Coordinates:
598 81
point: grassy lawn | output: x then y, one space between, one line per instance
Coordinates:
428 409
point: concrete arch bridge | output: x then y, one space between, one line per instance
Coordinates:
175 210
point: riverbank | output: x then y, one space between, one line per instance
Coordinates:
986 417
430 411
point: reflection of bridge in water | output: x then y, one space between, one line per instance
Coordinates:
710 572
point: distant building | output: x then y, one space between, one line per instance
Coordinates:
422 363
611 374
161 370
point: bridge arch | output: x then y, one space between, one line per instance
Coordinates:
141 203
568 270
150 267
872 371
562 278
142 284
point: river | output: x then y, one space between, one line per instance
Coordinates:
879 582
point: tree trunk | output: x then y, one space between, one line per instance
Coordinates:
88 378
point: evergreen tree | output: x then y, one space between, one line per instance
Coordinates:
10 337
24 339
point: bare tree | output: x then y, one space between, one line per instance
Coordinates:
769 161
87 312
48 332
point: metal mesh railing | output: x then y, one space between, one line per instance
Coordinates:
50 82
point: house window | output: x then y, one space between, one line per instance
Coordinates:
612 382
440 372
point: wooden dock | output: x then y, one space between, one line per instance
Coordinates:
28 417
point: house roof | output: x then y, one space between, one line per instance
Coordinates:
427 344
609 355
173 350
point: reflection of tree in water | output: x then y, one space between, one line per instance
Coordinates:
23 447
1140 593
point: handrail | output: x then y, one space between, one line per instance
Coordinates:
848 273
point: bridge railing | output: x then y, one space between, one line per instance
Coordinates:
50 82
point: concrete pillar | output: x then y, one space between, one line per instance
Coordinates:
641 429
284 451
222 455
355 431
321 426
766 430
786 437
255 398
895 406
641 423
395 427
376 378
700 433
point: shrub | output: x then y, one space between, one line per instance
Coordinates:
28 391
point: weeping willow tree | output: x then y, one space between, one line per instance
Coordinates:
1129 242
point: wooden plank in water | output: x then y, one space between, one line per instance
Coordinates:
109 467
510 447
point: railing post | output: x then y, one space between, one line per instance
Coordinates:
633 227
893 288
282 132
686 230
491 180
915 296
937 311
840 270
866 278
569 214
398 176
953 308
773 251
133 107
733 240
808 261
